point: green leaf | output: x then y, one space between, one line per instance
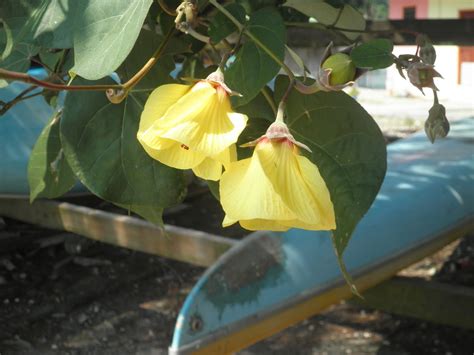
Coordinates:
159 179
253 68
254 5
49 57
345 17
259 108
260 115
348 148
375 54
19 59
99 140
151 213
193 67
104 34
49 174
437 124
221 27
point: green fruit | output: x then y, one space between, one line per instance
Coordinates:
343 70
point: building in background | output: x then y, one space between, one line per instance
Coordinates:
455 63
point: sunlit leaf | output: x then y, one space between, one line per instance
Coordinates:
104 35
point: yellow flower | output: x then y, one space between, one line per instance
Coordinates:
277 188
192 126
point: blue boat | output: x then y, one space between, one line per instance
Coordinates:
270 281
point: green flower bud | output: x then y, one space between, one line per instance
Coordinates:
343 70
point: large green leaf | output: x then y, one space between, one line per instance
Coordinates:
345 17
253 68
104 34
348 148
49 174
375 54
99 140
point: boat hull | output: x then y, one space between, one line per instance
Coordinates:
272 280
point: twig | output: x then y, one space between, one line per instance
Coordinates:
20 97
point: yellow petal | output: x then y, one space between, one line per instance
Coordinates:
160 100
228 221
227 156
203 120
176 156
298 183
276 189
263 224
319 192
211 168
154 126
247 194
208 169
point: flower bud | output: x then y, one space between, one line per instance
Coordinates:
337 70
342 69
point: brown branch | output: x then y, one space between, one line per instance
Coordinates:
7 74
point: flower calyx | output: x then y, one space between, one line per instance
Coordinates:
278 131
217 79
421 75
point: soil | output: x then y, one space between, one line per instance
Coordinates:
64 294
